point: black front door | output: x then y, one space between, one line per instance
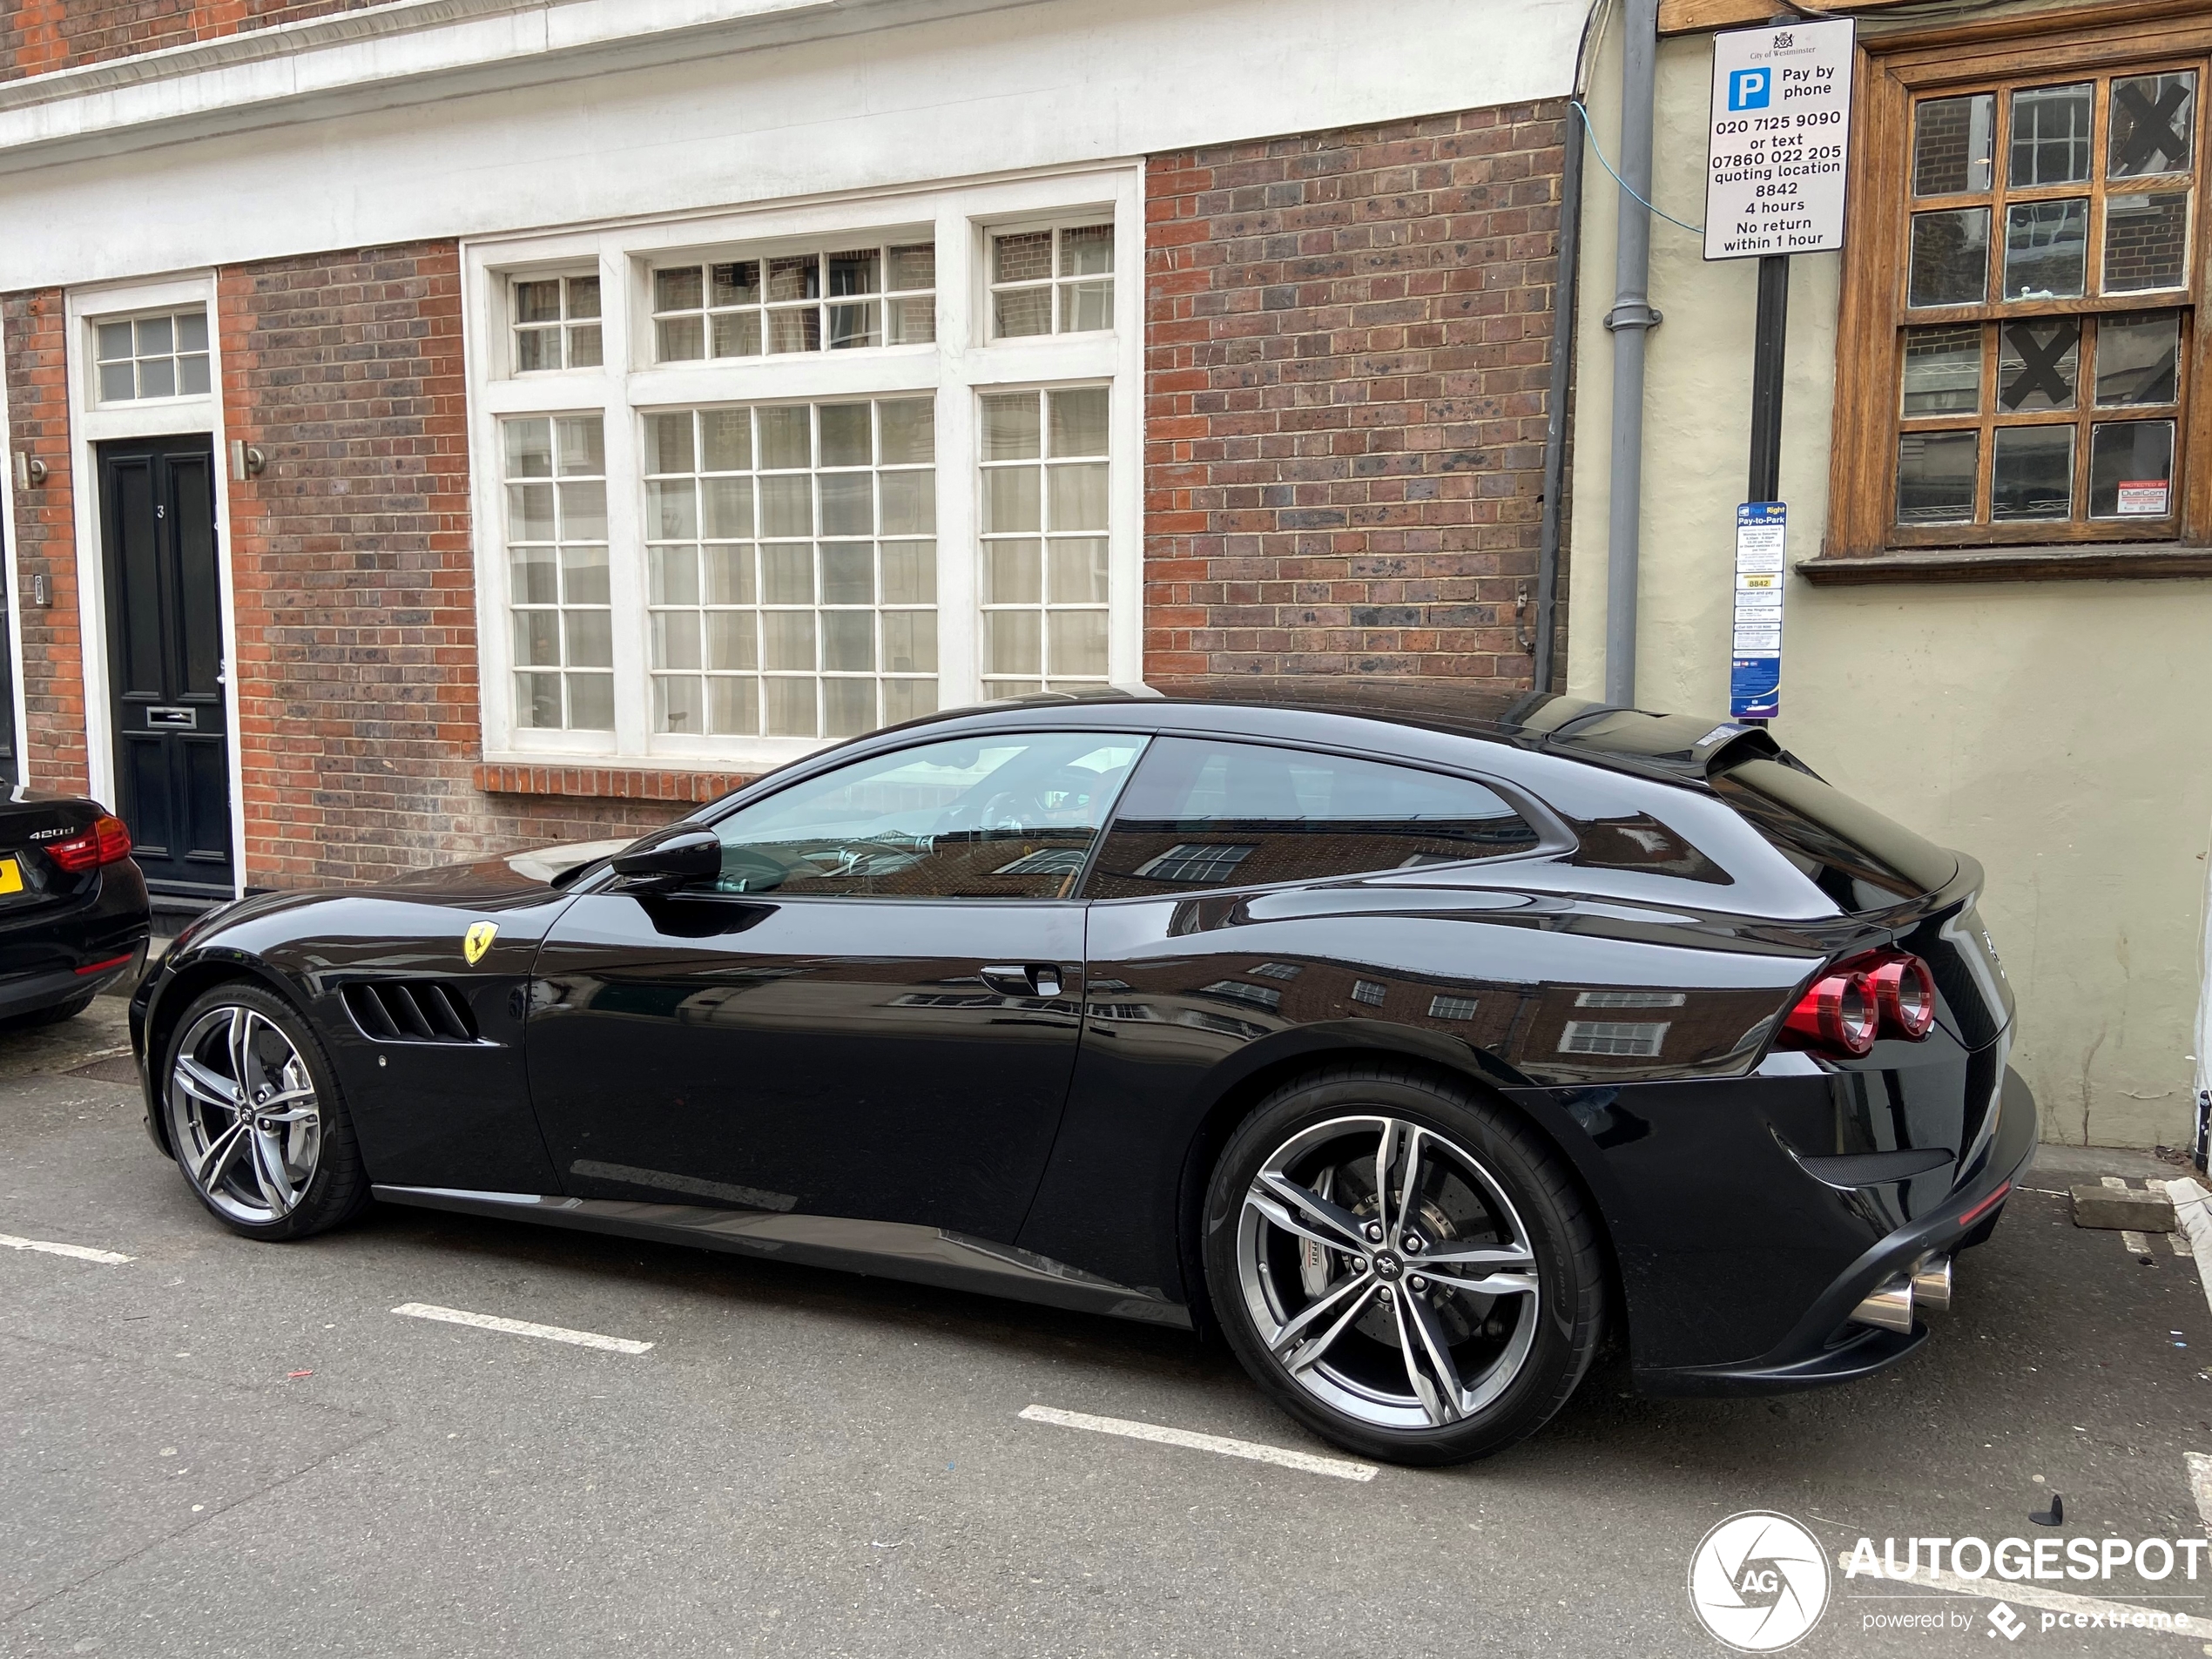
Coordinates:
165 660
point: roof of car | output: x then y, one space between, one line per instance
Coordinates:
1671 745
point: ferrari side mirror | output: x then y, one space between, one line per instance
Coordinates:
671 858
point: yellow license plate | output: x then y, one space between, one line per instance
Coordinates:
10 876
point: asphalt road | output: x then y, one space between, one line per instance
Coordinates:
221 1448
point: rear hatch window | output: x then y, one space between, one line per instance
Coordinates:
1859 858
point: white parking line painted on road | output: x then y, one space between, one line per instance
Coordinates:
2139 1243
2115 1614
2192 1221
1342 1468
521 1327
77 1253
2201 1486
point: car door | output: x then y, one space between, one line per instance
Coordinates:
1204 938
872 1011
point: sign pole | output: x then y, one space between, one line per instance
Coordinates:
1775 162
1769 336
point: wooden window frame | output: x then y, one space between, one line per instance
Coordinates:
1894 72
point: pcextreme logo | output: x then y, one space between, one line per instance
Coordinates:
1758 1581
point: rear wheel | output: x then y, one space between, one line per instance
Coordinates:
1403 1266
254 1115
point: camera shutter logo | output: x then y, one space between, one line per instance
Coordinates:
1758 1581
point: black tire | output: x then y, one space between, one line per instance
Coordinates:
335 1186
37 1019
1500 1177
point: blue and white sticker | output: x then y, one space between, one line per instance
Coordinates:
1755 657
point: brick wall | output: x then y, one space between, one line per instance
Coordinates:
52 743
1346 361
36 36
353 586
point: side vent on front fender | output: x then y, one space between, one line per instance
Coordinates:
419 1010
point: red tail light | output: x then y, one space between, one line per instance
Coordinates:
1837 1011
106 842
1904 993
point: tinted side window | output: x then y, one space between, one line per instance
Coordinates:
1009 817
1204 813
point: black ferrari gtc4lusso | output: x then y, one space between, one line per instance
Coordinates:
1409 1044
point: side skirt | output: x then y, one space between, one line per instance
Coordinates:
887 1249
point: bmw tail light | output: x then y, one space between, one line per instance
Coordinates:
107 842
1837 1011
1904 995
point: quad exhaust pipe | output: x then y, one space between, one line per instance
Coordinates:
1892 1305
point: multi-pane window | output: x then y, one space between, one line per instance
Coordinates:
1044 539
1054 282
158 357
721 546
833 299
558 590
557 323
791 567
2047 308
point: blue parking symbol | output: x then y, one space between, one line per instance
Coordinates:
1749 89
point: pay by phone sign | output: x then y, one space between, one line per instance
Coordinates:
1781 130
1754 661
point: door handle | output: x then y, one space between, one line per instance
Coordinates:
1022 978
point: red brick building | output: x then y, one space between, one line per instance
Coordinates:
442 425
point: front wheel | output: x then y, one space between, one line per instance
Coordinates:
1403 1266
254 1115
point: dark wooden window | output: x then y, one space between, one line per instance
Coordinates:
2019 333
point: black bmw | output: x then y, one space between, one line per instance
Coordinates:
1412 1046
74 915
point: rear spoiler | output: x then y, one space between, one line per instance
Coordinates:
1676 747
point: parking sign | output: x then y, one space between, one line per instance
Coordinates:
1750 89
1781 134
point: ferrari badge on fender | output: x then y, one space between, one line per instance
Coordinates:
478 940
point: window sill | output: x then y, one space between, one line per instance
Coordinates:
604 783
2108 561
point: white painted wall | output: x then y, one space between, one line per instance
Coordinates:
945 98
2060 732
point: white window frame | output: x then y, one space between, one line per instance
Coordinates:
510 321
1053 285
90 329
962 364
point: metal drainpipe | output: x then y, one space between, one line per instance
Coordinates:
1563 285
1631 322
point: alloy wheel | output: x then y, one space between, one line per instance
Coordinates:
1387 1273
244 1114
